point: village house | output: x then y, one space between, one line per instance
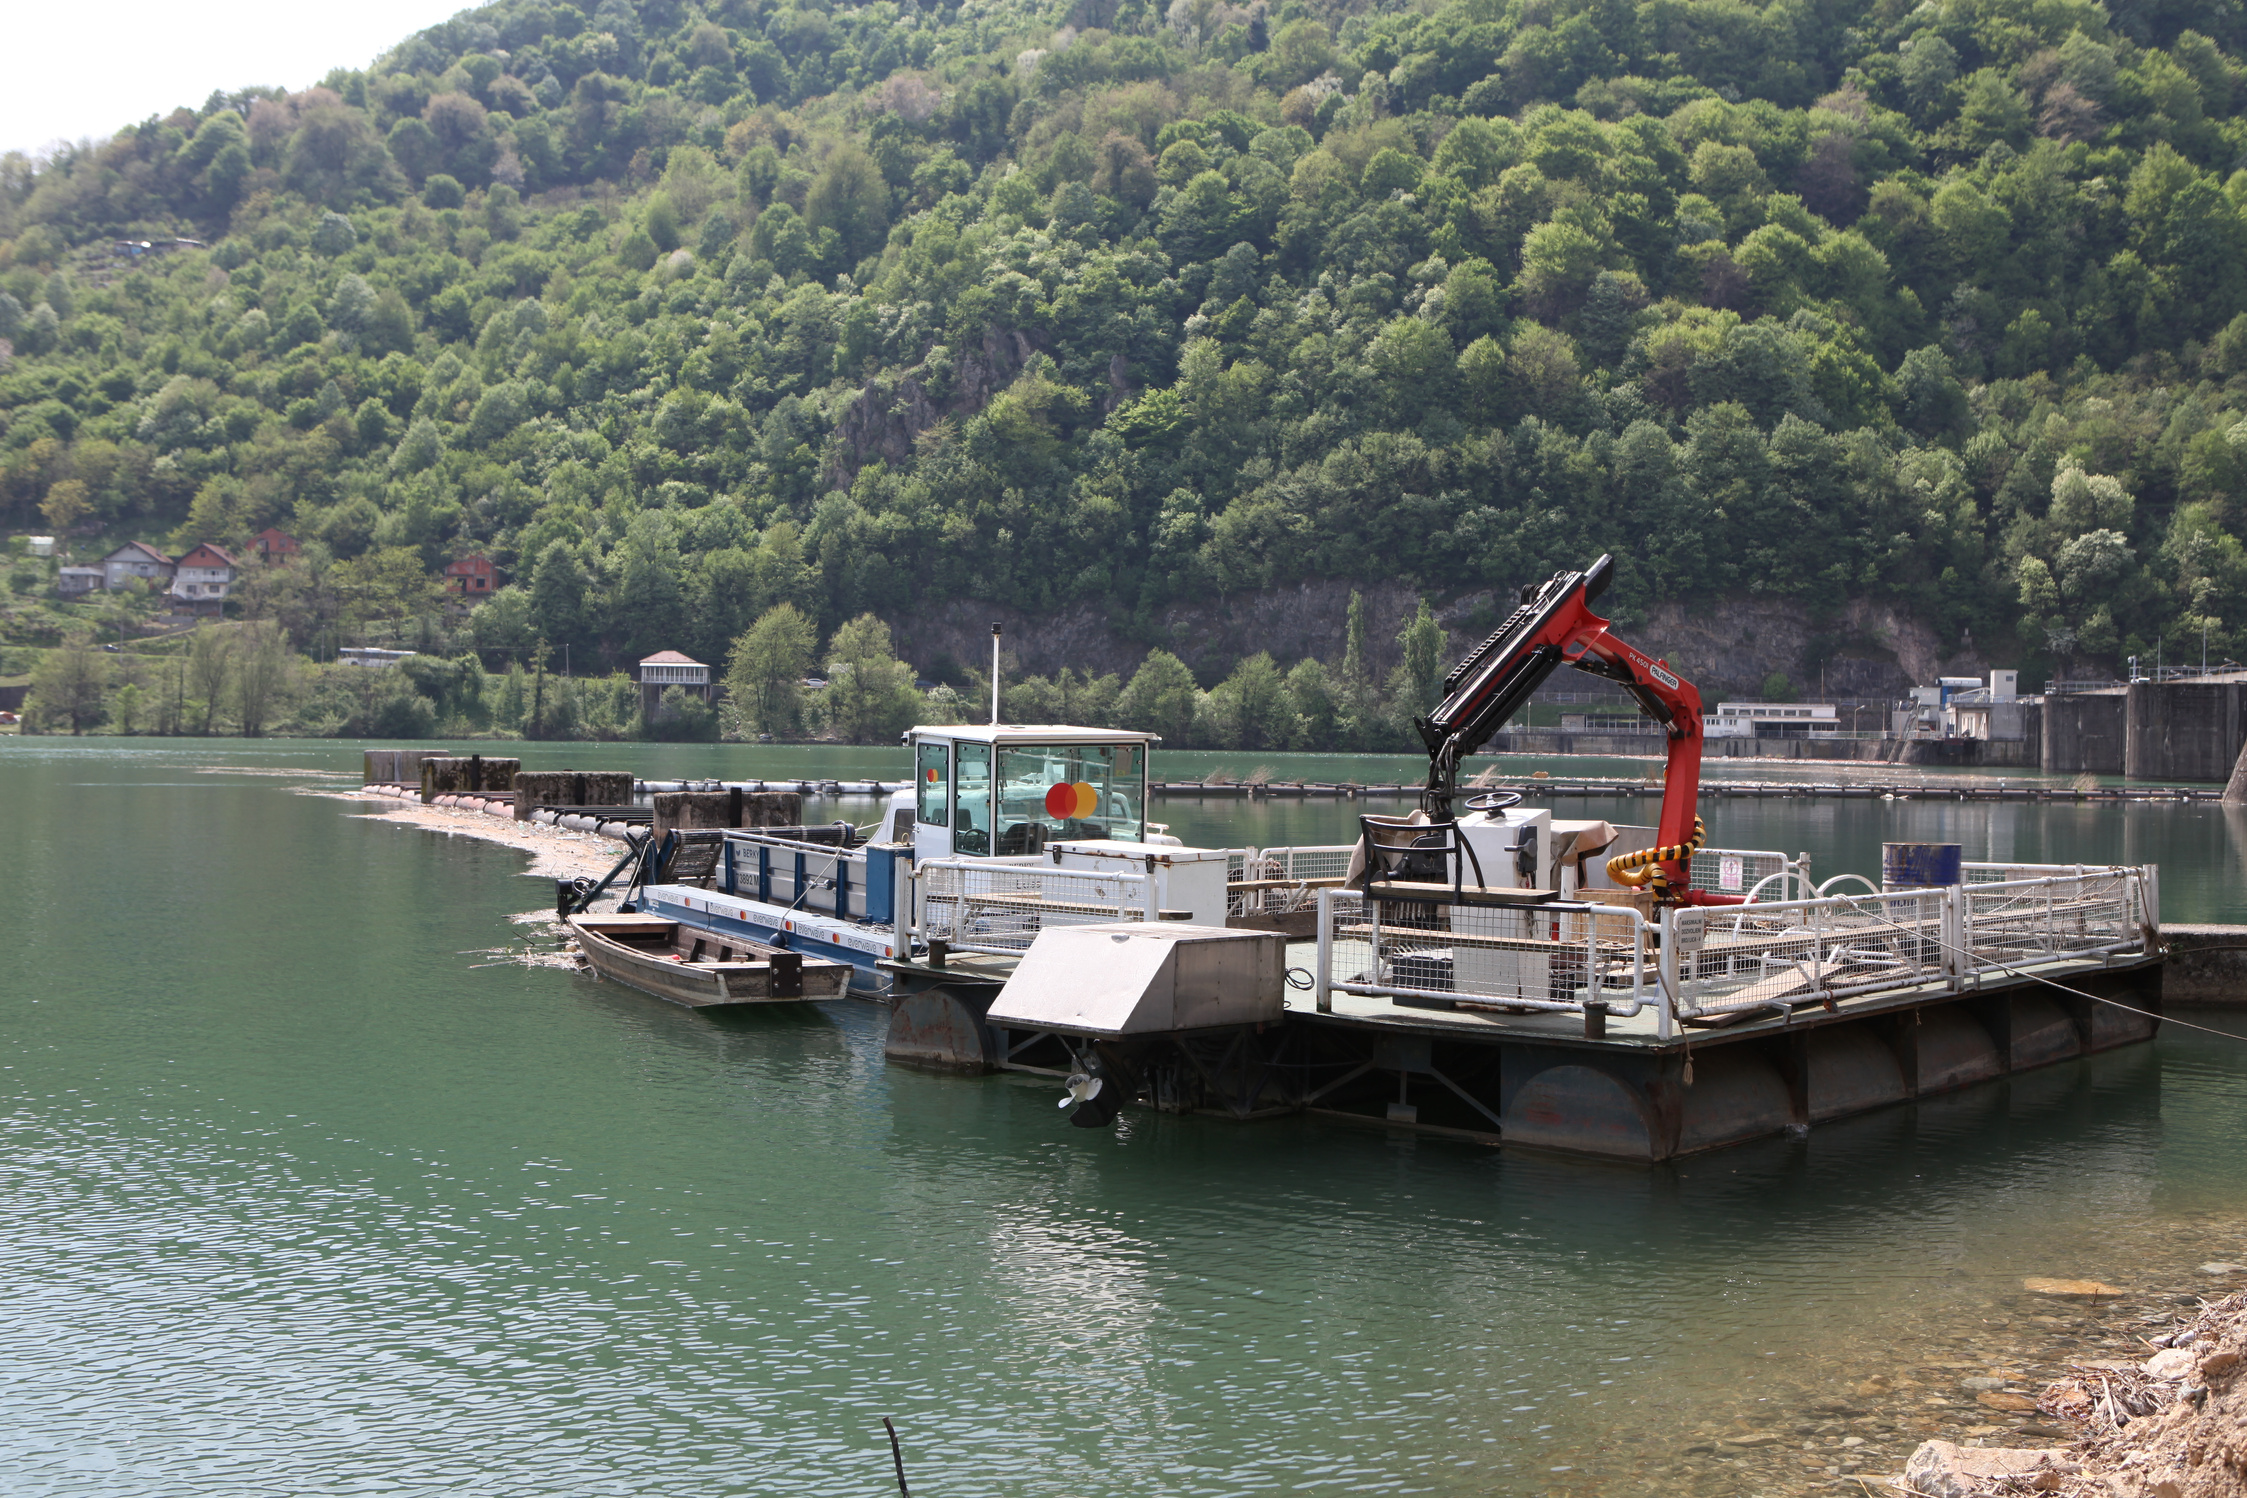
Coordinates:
135 559
666 669
274 545
203 578
77 582
472 577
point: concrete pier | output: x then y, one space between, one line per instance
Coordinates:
2183 730
2084 733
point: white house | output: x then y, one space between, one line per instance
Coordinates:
666 669
203 578
135 559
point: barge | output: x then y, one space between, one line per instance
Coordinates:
1493 972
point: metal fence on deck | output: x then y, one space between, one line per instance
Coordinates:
1779 954
974 906
1280 881
2044 920
2006 873
1513 959
1696 962
1752 872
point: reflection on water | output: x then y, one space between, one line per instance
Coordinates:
288 1190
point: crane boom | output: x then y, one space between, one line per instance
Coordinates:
1555 627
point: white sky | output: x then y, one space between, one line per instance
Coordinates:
76 73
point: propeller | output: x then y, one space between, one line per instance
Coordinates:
1083 1088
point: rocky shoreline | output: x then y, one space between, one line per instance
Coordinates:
1970 1374
556 852
2171 1425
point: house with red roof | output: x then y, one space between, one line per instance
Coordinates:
472 578
202 579
274 545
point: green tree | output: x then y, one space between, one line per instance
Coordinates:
559 587
69 686
850 198
1161 698
766 668
260 678
1417 683
870 696
1253 708
210 671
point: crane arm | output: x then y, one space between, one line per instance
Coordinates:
1553 627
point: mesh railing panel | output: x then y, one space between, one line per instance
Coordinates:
1737 871
985 908
1779 955
2044 920
1470 957
1280 881
2011 873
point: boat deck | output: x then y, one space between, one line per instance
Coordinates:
1641 1032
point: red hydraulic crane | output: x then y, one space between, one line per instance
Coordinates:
1555 626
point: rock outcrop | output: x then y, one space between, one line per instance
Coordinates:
1728 647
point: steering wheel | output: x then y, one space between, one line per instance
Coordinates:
1494 801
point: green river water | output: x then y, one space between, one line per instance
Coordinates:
295 1197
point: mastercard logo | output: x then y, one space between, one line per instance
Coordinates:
1069 800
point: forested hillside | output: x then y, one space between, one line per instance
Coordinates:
682 312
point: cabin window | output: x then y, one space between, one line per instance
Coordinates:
971 807
934 779
1049 793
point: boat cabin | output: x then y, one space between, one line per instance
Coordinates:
984 791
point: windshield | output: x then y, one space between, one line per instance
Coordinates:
1069 791
971 817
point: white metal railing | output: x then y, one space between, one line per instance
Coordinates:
1281 881
1755 873
1553 957
2004 873
973 905
2028 921
1777 954
1694 962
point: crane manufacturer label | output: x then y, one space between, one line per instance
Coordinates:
1663 677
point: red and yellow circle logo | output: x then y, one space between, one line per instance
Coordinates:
1069 801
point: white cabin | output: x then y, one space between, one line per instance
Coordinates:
981 791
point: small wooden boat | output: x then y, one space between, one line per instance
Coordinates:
702 969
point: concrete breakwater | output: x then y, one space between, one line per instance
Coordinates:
2207 965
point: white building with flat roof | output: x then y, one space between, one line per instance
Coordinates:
1769 720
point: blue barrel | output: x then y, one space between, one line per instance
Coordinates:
1920 865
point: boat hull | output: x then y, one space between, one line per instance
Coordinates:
671 962
858 945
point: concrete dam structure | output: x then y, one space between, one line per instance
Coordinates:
2186 729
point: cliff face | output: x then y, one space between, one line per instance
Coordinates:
1867 650
1210 634
1727 647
